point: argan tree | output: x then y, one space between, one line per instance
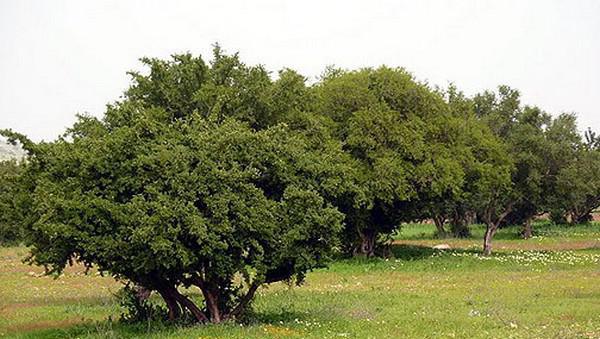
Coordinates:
396 130
563 143
190 181
491 192
487 189
523 130
216 206
579 185
486 168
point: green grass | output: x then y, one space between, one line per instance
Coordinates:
541 229
539 288
546 237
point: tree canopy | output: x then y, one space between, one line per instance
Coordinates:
399 132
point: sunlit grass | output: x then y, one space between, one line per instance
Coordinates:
542 229
536 288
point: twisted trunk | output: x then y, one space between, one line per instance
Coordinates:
527 231
490 230
177 302
492 223
216 310
579 217
368 240
187 303
174 311
212 298
459 225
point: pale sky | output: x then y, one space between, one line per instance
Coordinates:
59 58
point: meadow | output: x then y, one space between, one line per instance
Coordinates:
544 287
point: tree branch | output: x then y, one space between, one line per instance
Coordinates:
244 301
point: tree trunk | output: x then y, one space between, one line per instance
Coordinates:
459 226
172 305
188 304
580 217
439 225
244 301
527 229
490 230
367 243
572 218
142 293
470 218
211 296
492 224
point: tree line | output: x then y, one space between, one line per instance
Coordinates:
218 176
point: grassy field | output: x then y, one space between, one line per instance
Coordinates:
545 287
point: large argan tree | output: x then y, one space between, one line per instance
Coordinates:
190 181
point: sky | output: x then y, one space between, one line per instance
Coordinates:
59 58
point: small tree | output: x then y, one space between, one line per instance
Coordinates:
488 190
527 146
540 147
483 159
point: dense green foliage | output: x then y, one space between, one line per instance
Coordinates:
10 229
539 156
399 133
487 192
578 184
164 196
219 177
190 203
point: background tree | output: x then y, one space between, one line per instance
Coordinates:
579 184
491 192
482 157
551 160
563 142
527 145
487 190
395 130
523 129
